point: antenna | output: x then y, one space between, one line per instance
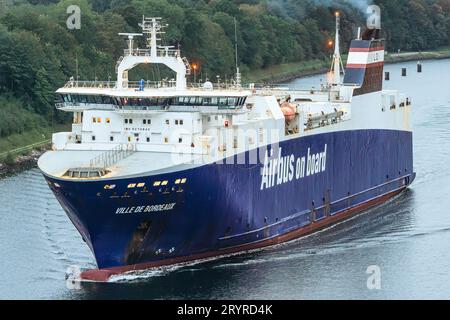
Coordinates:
238 73
151 27
130 40
76 66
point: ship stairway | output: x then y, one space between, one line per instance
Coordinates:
111 157
188 66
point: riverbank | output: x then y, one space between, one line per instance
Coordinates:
19 152
290 71
16 164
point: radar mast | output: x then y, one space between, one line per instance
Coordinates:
154 54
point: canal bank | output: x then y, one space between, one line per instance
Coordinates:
287 72
20 151
15 162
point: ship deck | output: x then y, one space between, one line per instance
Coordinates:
56 163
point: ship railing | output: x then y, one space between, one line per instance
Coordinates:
231 85
147 53
323 120
90 84
152 84
131 84
113 156
171 83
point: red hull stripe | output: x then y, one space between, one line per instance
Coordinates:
364 66
103 275
367 49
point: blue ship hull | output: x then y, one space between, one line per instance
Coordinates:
228 208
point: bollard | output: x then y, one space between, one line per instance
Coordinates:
419 67
403 72
387 76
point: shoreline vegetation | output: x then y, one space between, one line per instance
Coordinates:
20 152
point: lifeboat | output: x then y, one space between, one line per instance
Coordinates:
289 110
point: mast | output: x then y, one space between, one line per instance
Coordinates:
238 73
153 54
152 27
337 61
76 67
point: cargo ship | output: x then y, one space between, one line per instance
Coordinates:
158 173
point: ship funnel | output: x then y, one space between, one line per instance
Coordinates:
365 62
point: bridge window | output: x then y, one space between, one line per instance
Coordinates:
210 101
133 102
107 100
181 101
195 101
232 102
163 102
222 102
93 99
98 99
117 101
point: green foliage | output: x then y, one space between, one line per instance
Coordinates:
415 24
38 52
10 159
14 118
